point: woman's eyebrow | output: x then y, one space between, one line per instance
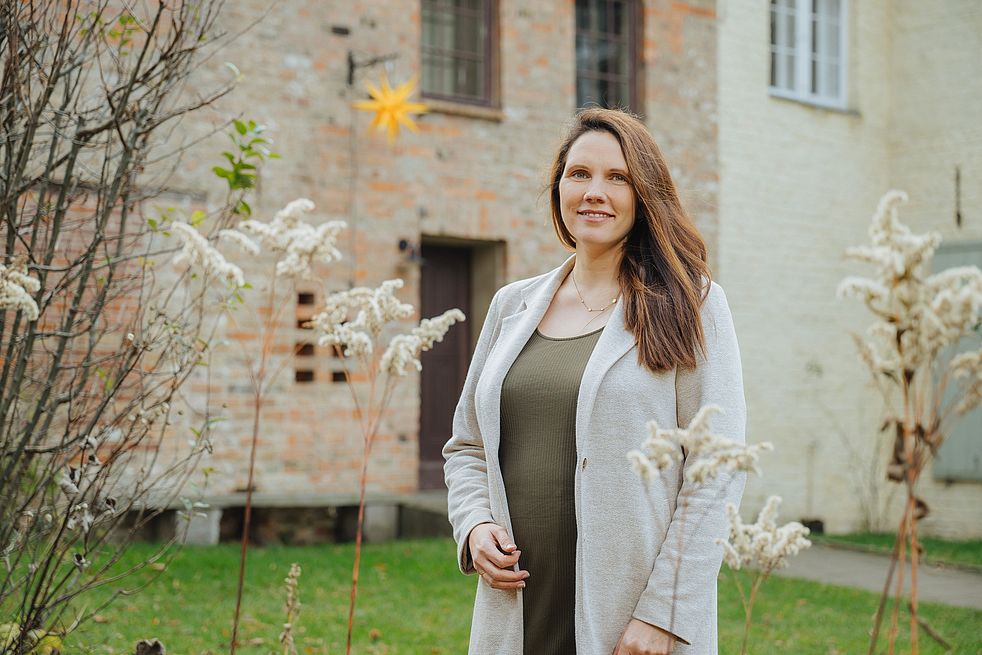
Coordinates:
613 169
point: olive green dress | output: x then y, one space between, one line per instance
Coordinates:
538 463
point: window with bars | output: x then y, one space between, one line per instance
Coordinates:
459 50
607 53
808 40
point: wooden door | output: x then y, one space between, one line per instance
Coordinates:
445 284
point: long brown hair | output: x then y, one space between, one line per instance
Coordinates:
663 273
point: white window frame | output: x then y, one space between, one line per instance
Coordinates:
802 57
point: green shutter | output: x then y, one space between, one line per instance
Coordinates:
960 457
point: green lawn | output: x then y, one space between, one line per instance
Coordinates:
413 600
942 551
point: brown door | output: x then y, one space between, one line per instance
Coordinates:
445 284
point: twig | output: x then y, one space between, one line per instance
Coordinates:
934 634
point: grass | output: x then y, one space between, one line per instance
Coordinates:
413 600
941 551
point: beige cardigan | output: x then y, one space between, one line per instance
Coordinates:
643 552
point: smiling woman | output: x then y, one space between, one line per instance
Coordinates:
595 194
575 553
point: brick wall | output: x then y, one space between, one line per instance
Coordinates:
466 174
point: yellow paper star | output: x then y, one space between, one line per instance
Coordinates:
391 106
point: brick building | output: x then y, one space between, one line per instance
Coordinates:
780 162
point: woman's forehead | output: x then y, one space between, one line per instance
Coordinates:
597 146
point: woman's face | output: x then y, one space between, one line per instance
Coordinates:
596 197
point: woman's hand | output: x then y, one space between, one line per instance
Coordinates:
494 553
642 638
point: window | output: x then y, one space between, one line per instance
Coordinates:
459 50
607 53
808 50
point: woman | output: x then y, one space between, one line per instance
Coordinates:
575 553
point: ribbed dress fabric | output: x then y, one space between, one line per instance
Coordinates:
538 459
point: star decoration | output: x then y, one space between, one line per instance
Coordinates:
391 106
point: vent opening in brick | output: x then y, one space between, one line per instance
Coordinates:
305 298
304 375
305 350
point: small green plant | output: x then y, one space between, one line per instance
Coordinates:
251 149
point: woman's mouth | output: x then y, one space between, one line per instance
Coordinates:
596 216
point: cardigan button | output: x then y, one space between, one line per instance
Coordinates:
583 465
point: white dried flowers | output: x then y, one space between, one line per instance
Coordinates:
762 545
198 252
372 309
402 355
244 243
298 245
353 320
917 315
301 244
16 287
292 609
709 452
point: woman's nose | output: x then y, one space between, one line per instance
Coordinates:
594 193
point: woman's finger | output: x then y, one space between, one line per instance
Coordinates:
499 559
500 579
494 544
505 542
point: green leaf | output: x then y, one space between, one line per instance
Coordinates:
243 209
197 218
152 222
221 172
240 127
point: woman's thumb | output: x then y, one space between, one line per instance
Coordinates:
504 540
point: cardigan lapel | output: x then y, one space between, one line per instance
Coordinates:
515 332
615 341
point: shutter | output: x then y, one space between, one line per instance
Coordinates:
960 456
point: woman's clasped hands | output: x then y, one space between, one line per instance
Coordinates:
494 554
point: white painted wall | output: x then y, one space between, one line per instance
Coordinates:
798 185
937 125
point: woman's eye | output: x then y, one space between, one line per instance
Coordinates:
578 174
618 177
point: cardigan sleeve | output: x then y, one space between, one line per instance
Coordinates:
465 470
683 581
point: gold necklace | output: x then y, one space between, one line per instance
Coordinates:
587 307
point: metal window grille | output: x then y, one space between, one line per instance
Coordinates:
607 53
459 44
